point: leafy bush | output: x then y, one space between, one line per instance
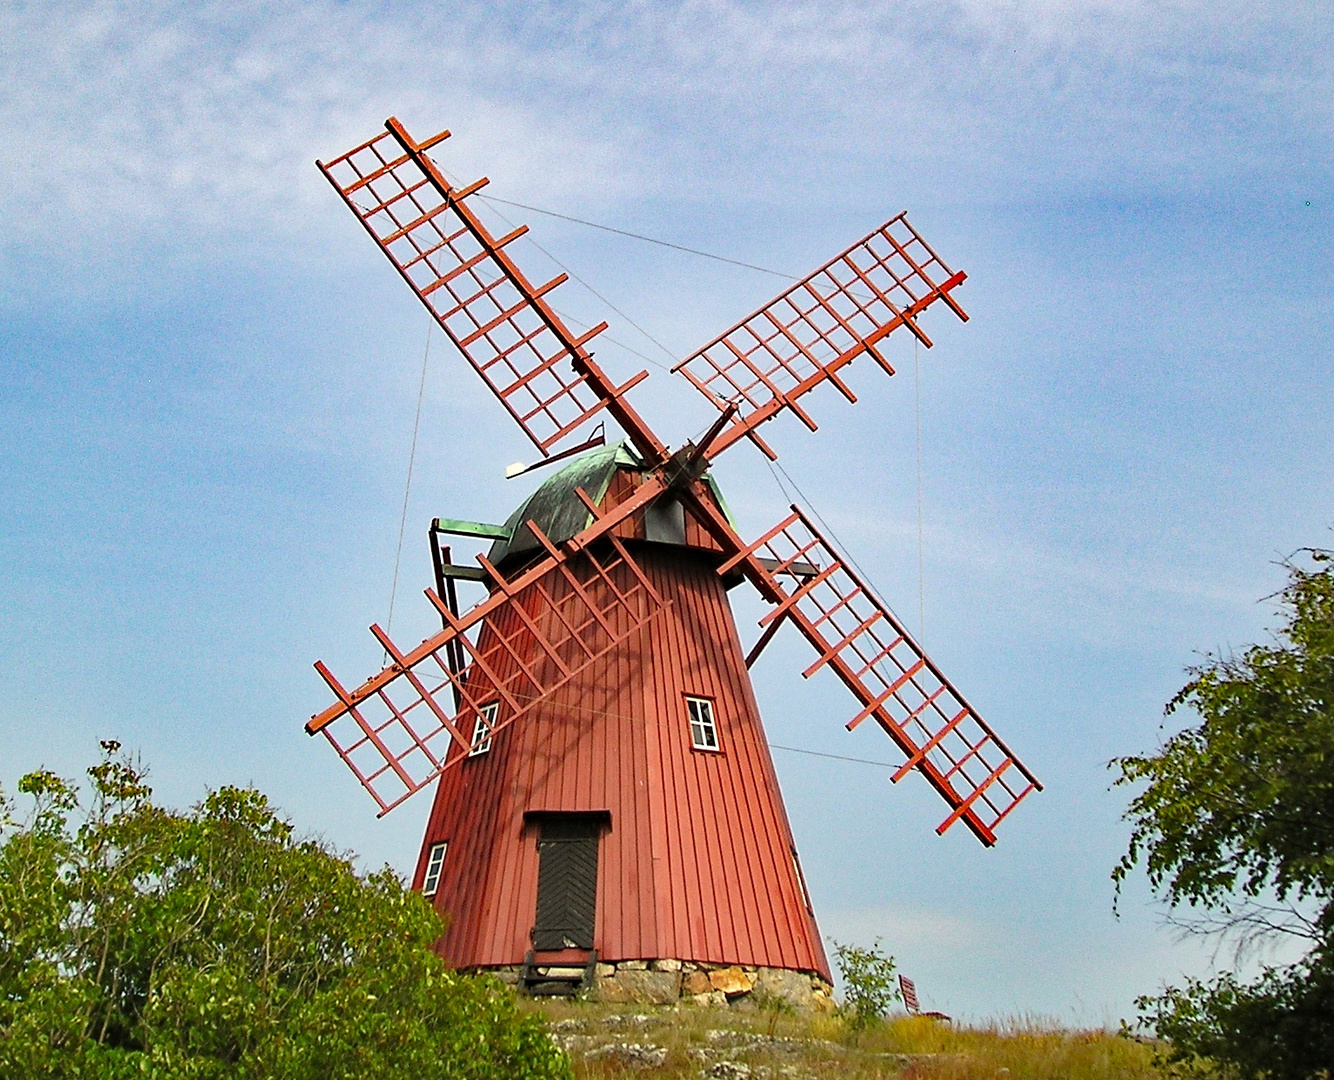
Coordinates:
1236 824
868 983
213 945
1281 1026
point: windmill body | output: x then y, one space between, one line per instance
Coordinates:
604 790
656 749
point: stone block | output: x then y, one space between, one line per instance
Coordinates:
635 986
711 999
632 965
666 965
731 980
697 982
561 972
605 971
793 987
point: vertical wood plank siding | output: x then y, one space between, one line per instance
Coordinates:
697 861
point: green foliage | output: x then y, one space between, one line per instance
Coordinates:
1280 1026
868 983
213 945
1237 821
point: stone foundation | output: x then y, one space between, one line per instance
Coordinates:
665 982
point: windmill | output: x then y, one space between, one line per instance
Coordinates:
605 793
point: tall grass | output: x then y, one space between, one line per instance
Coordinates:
1015 1048
910 1047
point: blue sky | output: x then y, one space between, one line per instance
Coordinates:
208 378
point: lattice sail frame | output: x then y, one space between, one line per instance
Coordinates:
397 732
804 336
868 648
538 368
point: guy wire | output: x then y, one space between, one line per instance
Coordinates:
921 557
407 488
828 529
646 239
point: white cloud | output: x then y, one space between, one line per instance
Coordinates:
183 124
152 123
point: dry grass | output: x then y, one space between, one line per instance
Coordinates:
618 1041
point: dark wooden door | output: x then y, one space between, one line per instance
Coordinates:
567 881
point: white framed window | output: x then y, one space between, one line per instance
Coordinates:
703 731
434 863
481 729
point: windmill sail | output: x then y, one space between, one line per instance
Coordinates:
804 337
397 731
538 368
887 671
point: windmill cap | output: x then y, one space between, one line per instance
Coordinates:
559 512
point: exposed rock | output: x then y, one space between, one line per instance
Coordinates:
639 987
773 1044
728 1070
627 1020
630 1055
731 980
697 982
574 1043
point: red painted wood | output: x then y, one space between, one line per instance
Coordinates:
696 862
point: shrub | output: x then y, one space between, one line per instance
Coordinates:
214 945
868 983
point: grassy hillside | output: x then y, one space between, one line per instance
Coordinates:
728 1044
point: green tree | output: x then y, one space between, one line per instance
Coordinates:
1235 826
212 944
868 983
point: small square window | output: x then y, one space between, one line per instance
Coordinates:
434 863
703 731
481 729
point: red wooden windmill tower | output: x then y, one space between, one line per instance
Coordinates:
605 789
